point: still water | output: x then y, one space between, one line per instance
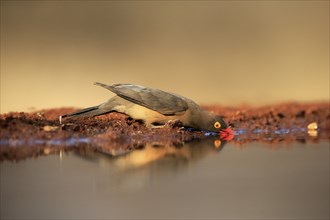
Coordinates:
197 180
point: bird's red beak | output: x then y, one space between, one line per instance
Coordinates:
227 134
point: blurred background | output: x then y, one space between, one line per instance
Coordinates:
214 52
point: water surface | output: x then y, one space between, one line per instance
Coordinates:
197 180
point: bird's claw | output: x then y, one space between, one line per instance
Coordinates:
175 123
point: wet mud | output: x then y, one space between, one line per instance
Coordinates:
40 133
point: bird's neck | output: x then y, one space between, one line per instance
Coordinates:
203 119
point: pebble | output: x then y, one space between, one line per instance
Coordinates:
49 128
312 126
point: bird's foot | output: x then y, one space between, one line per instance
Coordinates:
174 124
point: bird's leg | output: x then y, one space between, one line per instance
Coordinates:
171 124
156 126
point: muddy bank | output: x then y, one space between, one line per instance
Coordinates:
40 133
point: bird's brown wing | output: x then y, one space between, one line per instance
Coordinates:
154 99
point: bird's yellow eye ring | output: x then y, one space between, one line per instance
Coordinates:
217 125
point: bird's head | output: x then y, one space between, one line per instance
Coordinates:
217 124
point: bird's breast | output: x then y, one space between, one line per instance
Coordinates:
149 116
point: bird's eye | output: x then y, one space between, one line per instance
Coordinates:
217 125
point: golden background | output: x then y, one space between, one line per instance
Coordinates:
214 52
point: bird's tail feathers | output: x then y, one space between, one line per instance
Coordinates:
91 111
103 85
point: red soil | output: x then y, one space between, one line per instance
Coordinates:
19 130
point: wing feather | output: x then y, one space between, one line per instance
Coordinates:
154 99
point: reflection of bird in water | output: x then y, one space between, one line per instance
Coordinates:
151 154
153 163
154 107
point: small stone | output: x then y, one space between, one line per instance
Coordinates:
312 126
49 128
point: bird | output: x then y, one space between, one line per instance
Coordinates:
154 108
